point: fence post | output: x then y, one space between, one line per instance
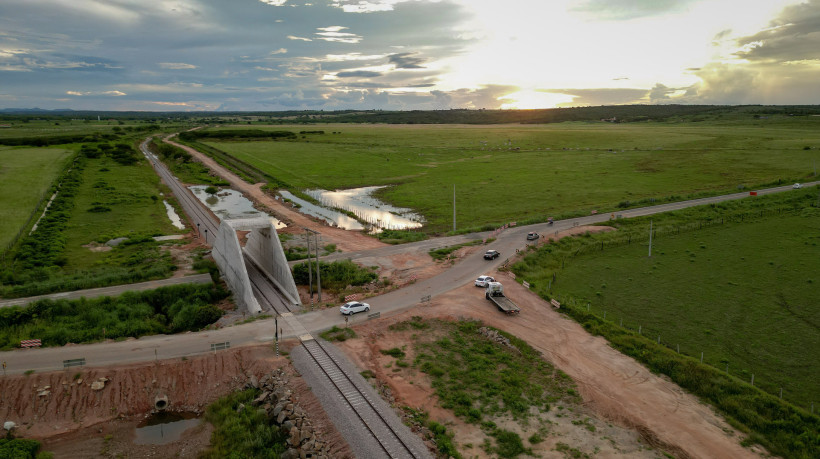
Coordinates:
678 348
753 379
701 356
781 392
639 329
659 339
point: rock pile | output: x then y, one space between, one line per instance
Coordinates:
493 335
276 399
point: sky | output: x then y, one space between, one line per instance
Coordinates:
271 55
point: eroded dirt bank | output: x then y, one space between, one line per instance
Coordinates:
74 419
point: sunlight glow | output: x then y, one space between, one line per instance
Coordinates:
529 99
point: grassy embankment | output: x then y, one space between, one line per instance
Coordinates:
26 178
736 281
526 173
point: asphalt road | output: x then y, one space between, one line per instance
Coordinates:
163 347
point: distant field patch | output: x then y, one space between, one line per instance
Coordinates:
507 173
25 176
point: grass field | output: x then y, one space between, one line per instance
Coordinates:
26 174
131 193
743 294
519 172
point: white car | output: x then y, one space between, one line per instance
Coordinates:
797 186
483 280
352 307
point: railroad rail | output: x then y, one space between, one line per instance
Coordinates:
358 401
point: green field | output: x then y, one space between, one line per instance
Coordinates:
26 174
743 294
520 172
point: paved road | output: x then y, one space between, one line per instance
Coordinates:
149 348
113 290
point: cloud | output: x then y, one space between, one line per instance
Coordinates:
335 34
274 2
725 84
406 61
364 6
794 35
616 10
293 37
359 74
96 93
602 96
176 65
279 51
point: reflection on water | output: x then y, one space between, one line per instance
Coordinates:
163 428
172 214
230 204
361 203
331 216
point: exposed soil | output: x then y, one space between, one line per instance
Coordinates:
73 420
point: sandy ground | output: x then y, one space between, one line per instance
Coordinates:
73 420
346 241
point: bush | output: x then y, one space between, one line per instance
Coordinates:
336 275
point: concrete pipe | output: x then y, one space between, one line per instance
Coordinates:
161 403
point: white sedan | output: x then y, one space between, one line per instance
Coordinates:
483 280
352 307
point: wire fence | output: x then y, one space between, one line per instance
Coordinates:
781 391
615 241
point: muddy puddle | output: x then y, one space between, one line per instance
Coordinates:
164 427
230 204
172 215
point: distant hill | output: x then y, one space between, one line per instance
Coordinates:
611 113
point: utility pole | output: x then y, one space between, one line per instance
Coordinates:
318 275
310 266
650 238
318 268
454 207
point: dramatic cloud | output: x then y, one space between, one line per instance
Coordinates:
405 54
793 36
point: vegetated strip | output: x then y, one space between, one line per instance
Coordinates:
172 309
770 421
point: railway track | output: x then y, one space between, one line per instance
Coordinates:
358 401
208 226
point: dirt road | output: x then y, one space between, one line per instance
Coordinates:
613 386
346 241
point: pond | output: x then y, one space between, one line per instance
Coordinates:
361 203
164 427
230 204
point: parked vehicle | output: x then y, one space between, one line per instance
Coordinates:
550 221
352 307
797 186
490 254
532 236
495 293
482 281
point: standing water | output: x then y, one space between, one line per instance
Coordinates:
230 204
172 214
361 203
164 427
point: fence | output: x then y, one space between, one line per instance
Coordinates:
25 225
722 364
28 343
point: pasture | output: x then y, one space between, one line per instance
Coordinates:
26 175
744 292
529 172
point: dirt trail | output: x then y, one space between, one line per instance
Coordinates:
346 241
